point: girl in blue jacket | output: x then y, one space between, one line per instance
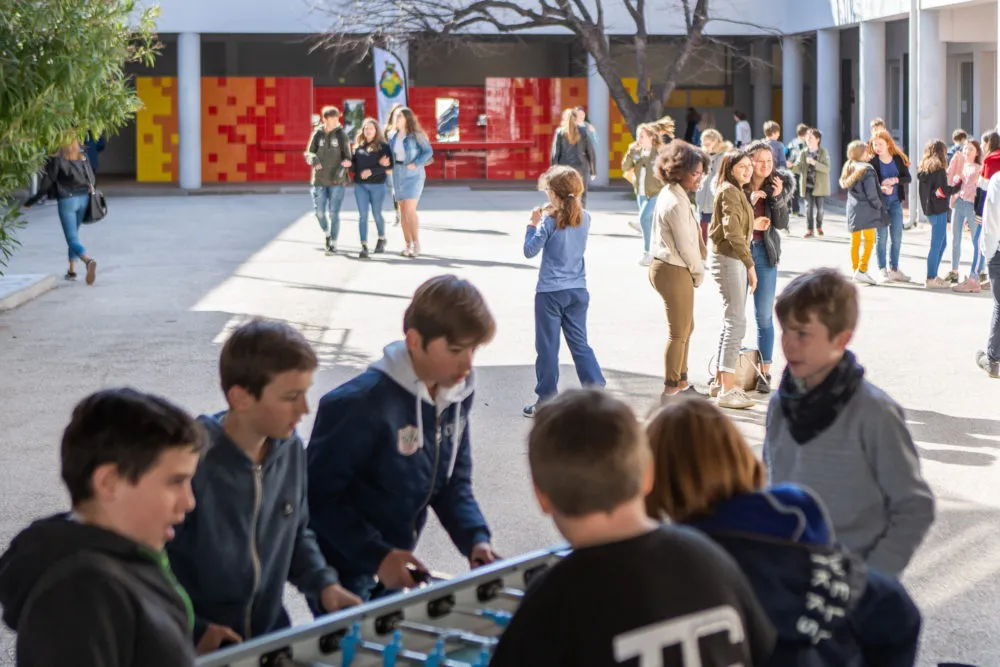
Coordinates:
561 297
828 607
411 151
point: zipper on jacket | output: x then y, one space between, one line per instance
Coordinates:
258 491
437 460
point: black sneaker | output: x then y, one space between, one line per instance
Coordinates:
364 251
764 383
379 246
992 368
331 245
530 410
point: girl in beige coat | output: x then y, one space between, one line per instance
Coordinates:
678 264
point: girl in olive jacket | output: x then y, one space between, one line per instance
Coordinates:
637 166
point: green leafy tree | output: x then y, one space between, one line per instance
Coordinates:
62 74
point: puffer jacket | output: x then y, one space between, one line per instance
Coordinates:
865 208
829 609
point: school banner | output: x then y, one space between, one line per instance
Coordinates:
390 82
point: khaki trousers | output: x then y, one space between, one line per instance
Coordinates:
676 287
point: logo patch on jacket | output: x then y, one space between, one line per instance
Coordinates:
287 510
408 440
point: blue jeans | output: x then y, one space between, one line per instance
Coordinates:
939 241
763 300
71 212
566 311
370 195
978 261
893 231
646 207
326 202
993 347
964 211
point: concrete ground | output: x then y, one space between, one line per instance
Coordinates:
176 273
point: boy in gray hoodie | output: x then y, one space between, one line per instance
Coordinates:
830 429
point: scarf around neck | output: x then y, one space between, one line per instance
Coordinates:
809 413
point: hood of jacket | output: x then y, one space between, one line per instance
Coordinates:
991 165
783 540
853 172
397 365
47 542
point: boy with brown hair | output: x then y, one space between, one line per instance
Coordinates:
249 533
329 155
632 591
92 587
772 134
394 441
830 429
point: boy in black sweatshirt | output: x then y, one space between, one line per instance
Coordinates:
92 587
250 532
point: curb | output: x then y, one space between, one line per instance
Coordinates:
19 289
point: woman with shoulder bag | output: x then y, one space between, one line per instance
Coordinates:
678 264
69 179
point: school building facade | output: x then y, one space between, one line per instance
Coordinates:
232 96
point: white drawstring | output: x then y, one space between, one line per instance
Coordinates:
455 439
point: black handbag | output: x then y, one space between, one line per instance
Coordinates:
97 207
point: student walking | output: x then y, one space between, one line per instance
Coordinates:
813 166
372 160
411 150
637 166
733 269
559 231
69 178
935 192
713 146
966 165
679 253
329 155
769 192
866 211
572 148
892 168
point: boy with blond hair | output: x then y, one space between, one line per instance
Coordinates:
632 591
830 429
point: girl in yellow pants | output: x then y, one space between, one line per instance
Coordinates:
865 209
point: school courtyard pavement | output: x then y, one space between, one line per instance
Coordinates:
177 273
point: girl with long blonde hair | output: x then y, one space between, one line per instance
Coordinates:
559 231
411 150
572 148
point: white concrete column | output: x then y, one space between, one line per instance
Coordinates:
913 28
871 76
189 109
761 86
932 114
984 91
828 97
598 109
791 85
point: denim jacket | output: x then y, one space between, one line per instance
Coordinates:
418 149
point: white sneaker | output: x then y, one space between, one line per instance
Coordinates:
883 276
407 251
646 260
635 225
735 399
414 249
864 278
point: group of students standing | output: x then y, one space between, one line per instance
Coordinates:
394 156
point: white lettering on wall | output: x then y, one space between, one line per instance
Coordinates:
648 643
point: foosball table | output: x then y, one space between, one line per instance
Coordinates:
445 622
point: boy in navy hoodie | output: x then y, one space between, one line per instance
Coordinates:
249 533
395 440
